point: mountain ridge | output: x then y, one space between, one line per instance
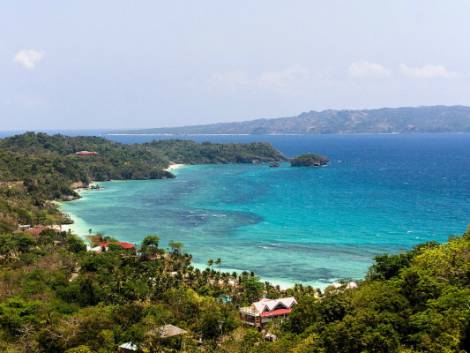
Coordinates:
420 119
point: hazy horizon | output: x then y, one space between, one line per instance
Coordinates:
117 129
113 65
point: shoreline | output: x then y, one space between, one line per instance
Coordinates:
174 166
80 228
78 225
283 283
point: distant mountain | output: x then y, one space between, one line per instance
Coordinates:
385 120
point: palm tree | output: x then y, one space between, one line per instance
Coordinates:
150 245
218 262
210 263
175 247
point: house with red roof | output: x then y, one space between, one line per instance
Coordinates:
104 246
36 230
261 312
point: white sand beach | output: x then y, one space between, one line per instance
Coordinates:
174 166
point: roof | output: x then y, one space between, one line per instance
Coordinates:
273 304
36 230
277 312
129 346
168 331
85 153
122 244
270 307
95 249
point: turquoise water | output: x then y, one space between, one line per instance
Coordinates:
379 194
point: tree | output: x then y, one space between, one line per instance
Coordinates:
75 244
150 245
17 313
175 247
305 313
218 262
211 322
251 339
252 288
80 349
11 246
388 266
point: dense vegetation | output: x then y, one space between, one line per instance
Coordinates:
309 160
46 155
57 297
36 167
189 152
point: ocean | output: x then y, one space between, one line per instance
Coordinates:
380 193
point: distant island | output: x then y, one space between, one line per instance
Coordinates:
309 160
384 120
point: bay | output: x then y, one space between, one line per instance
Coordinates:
380 193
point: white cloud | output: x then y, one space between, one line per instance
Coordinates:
365 69
427 71
282 79
28 58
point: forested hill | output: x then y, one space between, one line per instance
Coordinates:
36 167
385 120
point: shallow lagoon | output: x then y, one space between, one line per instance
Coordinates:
312 225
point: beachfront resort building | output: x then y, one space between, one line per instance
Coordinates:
265 310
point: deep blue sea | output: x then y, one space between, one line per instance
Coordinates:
381 193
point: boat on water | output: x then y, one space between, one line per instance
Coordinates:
274 165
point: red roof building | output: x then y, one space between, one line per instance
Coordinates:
36 230
277 312
124 245
263 311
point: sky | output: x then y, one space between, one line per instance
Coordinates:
87 64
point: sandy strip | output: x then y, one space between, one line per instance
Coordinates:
174 166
